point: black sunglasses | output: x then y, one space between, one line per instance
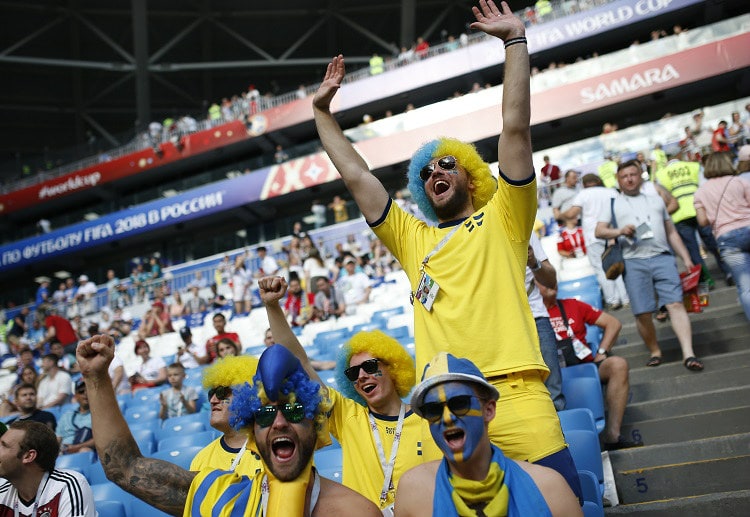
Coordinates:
294 412
458 405
221 392
370 366
447 163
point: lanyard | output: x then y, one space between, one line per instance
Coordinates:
42 485
313 495
236 460
440 244
387 467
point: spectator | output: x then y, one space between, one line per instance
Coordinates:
58 328
117 293
42 293
267 264
226 348
32 480
8 401
298 304
55 387
647 231
137 280
457 401
116 371
570 240
329 302
178 400
440 176
219 322
550 174
188 352
59 298
74 428
421 48
218 302
84 297
613 370
17 329
314 269
173 489
373 373
151 372
241 286
723 204
338 206
231 451
280 156
26 405
720 139
198 281
318 210
736 132
354 286
156 322
195 304
177 307
563 197
377 65
67 362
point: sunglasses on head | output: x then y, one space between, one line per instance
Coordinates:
458 405
370 366
221 392
294 412
447 163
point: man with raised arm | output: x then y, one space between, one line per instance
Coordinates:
282 411
469 270
381 438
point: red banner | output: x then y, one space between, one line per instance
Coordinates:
135 163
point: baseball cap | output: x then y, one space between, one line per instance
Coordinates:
743 154
446 367
185 332
83 278
349 260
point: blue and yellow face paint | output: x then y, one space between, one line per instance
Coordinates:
461 410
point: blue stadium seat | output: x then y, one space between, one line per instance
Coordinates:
384 315
577 418
76 461
149 425
590 488
110 492
329 462
143 509
141 414
180 457
592 510
186 440
177 421
331 340
168 359
366 327
398 333
168 431
146 396
145 440
584 289
110 509
580 370
585 393
584 447
95 474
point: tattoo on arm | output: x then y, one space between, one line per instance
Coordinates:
159 483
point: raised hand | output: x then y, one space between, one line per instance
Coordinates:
331 83
272 289
501 23
94 355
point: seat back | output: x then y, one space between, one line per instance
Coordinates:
584 447
181 457
110 509
585 393
76 461
186 440
577 418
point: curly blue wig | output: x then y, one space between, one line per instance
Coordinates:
485 184
280 376
399 363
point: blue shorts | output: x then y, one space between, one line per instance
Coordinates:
647 280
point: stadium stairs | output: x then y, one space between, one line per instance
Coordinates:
696 426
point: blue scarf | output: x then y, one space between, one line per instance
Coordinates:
524 496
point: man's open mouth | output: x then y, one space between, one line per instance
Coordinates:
440 186
283 448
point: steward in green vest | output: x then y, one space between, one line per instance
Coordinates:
608 173
376 65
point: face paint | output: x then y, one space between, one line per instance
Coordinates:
457 436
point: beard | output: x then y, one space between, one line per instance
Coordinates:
289 471
455 204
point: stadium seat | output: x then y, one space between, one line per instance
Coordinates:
140 414
169 430
329 462
186 440
95 474
110 492
77 461
584 447
143 509
590 488
331 340
180 457
592 510
577 418
110 509
146 396
580 370
176 421
366 327
145 440
398 333
384 315
585 393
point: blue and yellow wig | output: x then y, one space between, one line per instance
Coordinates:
467 156
381 346
280 375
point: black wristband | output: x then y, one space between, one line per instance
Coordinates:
514 41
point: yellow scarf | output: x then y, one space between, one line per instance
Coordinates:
488 497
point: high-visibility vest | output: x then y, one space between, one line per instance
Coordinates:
681 179
214 112
543 7
608 173
376 65
660 160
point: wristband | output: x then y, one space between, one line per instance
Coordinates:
514 41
